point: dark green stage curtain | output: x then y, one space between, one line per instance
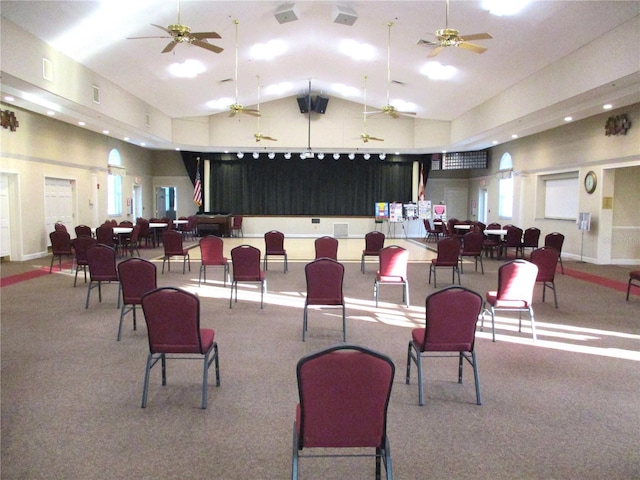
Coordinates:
279 186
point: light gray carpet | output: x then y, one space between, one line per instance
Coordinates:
565 408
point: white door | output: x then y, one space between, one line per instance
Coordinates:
5 230
483 196
456 200
58 204
137 202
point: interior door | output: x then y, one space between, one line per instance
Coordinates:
58 204
5 225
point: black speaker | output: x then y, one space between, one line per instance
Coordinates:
320 105
304 102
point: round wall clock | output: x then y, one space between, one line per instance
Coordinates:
590 181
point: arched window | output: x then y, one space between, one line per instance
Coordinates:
114 185
505 187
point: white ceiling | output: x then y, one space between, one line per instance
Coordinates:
95 34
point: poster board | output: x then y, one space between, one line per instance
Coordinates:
410 211
424 209
440 212
395 212
584 221
381 210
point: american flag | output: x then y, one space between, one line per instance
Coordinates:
197 190
421 184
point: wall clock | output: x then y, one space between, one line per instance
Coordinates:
590 181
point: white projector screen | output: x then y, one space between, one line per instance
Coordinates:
561 198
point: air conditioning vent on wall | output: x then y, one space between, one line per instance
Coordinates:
340 230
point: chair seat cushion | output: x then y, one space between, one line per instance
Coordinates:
207 335
389 279
635 275
491 298
325 301
436 263
417 335
277 252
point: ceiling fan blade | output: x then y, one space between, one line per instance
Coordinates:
435 51
476 36
140 38
376 139
203 35
426 42
251 111
170 46
204 44
270 138
162 28
472 46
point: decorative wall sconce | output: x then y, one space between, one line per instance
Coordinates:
9 120
617 125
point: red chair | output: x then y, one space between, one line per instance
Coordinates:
373 243
344 395
451 317
472 245
447 257
83 231
555 240
492 243
102 269
516 280
131 242
246 268
432 232
80 246
137 277
274 245
530 239
60 227
105 236
173 325
172 241
145 231
546 259
513 239
236 226
326 247
60 247
633 277
393 271
325 277
211 249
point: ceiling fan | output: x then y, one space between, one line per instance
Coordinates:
259 136
179 33
238 107
450 37
389 109
365 136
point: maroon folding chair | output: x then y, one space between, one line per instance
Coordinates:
450 328
60 247
274 245
393 271
172 241
80 246
472 245
102 269
447 257
173 326
211 253
634 276
137 277
555 240
546 259
246 269
326 247
325 277
373 243
344 395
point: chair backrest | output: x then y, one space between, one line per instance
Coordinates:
472 243
531 237
172 241
344 395
451 317
326 247
494 226
126 223
137 277
81 245
325 277
448 250
60 227
393 262
145 230
246 263
374 241
60 242
102 263
173 321
237 221
83 231
274 242
135 234
513 238
211 248
516 280
104 234
554 240
546 259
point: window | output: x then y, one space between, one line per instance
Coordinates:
114 185
505 187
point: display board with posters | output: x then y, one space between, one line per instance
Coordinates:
440 212
382 210
395 212
410 211
424 209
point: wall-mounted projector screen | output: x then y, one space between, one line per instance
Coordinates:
561 198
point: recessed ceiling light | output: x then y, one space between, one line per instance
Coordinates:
81 123
106 132
269 50
607 106
9 98
568 119
177 149
495 142
126 139
51 113
514 135
504 7
187 69
437 71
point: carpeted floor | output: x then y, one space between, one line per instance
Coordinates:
564 408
